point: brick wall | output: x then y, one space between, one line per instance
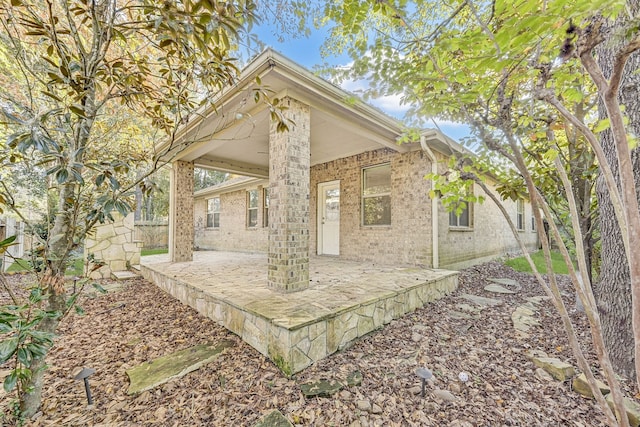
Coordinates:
408 239
181 238
233 233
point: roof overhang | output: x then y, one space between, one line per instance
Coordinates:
234 136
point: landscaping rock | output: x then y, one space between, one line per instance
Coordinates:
274 419
354 379
417 389
461 315
632 407
163 369
363 405
557 368
444 395
376 409
497 289
543 375
321 388
506 282
581 386
481 301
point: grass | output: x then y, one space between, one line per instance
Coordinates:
521 264
21 264
77 268
155 251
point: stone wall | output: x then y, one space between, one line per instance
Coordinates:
114 244
233 233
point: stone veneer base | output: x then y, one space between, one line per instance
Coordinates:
293 335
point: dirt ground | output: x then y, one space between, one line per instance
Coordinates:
140 322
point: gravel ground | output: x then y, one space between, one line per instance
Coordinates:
140 322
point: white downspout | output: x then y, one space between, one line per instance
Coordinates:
434 201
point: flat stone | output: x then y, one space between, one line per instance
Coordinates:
123 275
537 299
274 419
461 315
354 379
416 389
535 353
581 386
543 375
175 365
321 388
445 395
376 409
506 282
632 407
557 368
481 301
497 289
363 405
468 308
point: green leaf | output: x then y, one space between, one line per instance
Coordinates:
79 310
99 288
24 356
10 381
8 348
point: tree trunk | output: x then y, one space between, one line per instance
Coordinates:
613 289
31 396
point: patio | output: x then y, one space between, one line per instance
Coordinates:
345 300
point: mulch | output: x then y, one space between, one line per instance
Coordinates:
140 322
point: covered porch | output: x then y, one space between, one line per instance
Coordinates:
344 300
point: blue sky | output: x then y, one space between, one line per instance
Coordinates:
306 52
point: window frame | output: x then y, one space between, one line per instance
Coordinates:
213 212
265 207
520 220
252 209
455 225
364 197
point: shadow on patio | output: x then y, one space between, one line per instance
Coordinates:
345 300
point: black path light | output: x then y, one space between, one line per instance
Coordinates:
424 375
84 375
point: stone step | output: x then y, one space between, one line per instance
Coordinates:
135 268
123 275
155 372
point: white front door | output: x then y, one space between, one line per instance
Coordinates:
329 218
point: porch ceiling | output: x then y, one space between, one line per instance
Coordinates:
235 138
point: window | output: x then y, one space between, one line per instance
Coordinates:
252 208
533 223
213 212
464 219
265 207
376 195
520 214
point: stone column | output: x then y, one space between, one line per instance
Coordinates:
289 162
181 223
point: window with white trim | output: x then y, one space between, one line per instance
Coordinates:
376 195
213 212
520 214
463 218
252 208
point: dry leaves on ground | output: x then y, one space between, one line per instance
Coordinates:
141 322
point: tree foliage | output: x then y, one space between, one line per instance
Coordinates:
523 75
88 87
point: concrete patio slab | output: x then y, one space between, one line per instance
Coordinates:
345 300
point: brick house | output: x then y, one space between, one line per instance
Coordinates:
336 183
